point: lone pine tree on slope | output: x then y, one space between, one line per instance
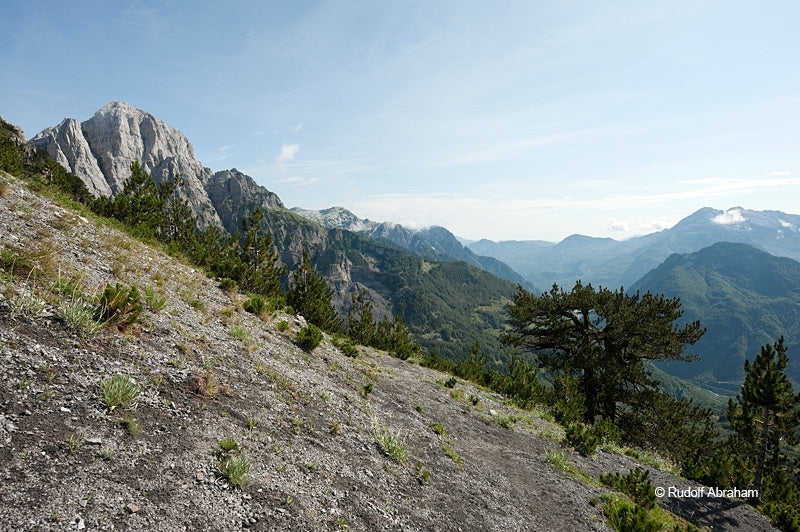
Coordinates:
310 296
601 338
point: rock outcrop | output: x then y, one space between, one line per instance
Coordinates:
435 243
234 194
100 151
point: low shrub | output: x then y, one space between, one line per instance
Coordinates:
582 438
228 284
255 304
635 484
309 337
624 516
119 305
607 432
345 345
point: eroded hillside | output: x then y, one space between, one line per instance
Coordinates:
334 442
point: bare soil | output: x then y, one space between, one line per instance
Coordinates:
306 421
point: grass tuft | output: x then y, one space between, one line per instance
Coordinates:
231 464
236 469
557 459
391 444
119 392
79 316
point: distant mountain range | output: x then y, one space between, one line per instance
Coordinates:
435 243
452 295
613 263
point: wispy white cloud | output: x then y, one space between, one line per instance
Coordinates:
698 189
652 226
287 155
552 217
297 180
488 217
222 153
296 129
617 225
729 217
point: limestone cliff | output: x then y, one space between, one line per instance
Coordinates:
100 151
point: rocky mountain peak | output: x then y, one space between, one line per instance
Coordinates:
117 107
100 151
337 218
118 134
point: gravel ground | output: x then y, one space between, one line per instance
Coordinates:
306 422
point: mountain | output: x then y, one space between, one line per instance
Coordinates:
434 243
745 297
332 442
612 263
101 149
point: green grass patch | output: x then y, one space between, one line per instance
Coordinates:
119 392
391 444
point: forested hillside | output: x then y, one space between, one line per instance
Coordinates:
744 297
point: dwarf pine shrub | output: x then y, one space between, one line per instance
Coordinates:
582 438
255 304
624 516
635 484
309 337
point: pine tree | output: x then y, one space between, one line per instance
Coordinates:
180 223
602 338
393 336
262 268
149 208
310 296
360 320
523 382
765 411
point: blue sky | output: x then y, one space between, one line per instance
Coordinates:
503 120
